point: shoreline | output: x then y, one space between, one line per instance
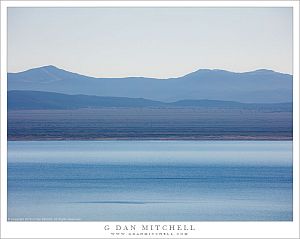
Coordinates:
157 139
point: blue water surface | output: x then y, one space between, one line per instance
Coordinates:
150 180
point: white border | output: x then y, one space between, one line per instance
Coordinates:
96 229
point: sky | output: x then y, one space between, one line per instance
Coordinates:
150 42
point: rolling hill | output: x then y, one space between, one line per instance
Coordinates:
31 100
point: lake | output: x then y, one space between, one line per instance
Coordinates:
150 181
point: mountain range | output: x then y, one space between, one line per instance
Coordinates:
260 86
37 100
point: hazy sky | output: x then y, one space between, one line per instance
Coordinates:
154 42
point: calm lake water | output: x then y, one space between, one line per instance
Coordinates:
150 180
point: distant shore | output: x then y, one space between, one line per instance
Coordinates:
149 124
219 138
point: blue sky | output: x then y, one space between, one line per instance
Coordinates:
153 42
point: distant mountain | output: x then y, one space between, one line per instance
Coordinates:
30 100
260 86
50 100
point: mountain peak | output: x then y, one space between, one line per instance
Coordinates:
206 71
49 68
262 71
40 68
